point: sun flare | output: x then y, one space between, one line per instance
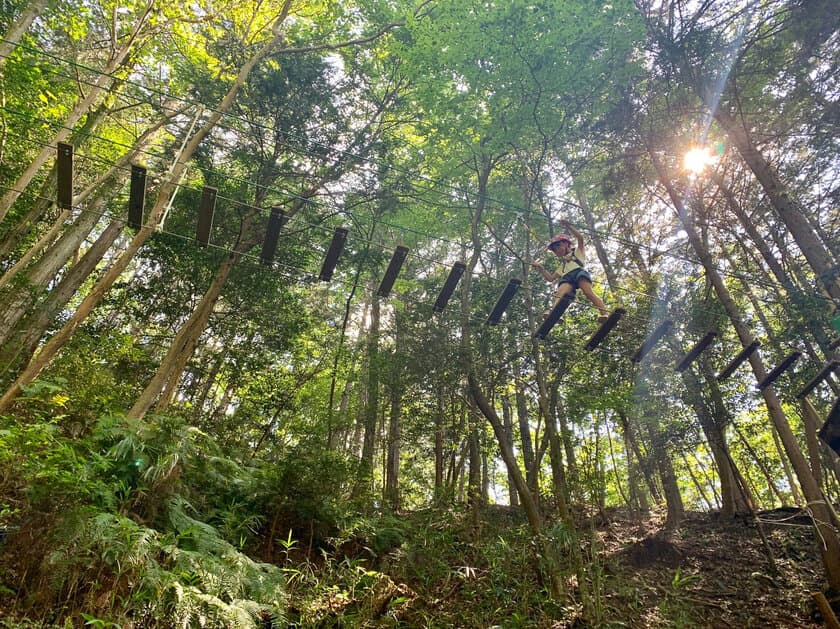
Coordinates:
697 159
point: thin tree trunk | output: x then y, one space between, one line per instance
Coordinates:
507 416
830 549
439 428
15 32
98 292
528 457
697 484
104 82
371 408
394 437
624 496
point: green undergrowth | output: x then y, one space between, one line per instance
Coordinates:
149 524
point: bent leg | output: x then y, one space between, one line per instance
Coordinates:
586 286
564 289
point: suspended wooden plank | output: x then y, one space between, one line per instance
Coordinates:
504 300
276 220
206 209
695 351
654 338
738 360
136 196
830 431
64 176
449 286
782 367
392 271
830 367
554 316
331 259
605 328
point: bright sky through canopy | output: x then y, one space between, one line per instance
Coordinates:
696 160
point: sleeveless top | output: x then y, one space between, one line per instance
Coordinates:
571 262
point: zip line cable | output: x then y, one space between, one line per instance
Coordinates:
506 329
398 227
452 187
603 235
642 320
256 260
402 228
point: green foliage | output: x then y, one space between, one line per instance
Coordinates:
108 564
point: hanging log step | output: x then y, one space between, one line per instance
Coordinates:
554 316
830 431
392 271
738 360
276 220
782 367
830 367
449 287
331 259
205 215
651 342
136 196
605 328
64 176
504 300
695 351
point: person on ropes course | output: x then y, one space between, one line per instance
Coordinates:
571 275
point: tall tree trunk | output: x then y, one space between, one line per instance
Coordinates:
507 416
103 83
165 382
371 408
39 276
98 292
13 35
394 437
22 341
528 457
529 505
439 434
830 549
812 248
714 429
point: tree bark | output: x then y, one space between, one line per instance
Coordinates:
830 550
12 36
98 292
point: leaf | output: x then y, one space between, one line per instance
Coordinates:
59 399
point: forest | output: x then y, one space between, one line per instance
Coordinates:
278 349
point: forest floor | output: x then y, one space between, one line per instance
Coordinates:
713 573
433 569
709 573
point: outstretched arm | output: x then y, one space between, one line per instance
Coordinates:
549 277
574 232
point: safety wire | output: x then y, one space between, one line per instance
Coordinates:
300 275
379 245
435 184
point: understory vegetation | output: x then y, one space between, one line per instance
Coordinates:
281 343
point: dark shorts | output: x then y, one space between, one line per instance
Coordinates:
574 277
